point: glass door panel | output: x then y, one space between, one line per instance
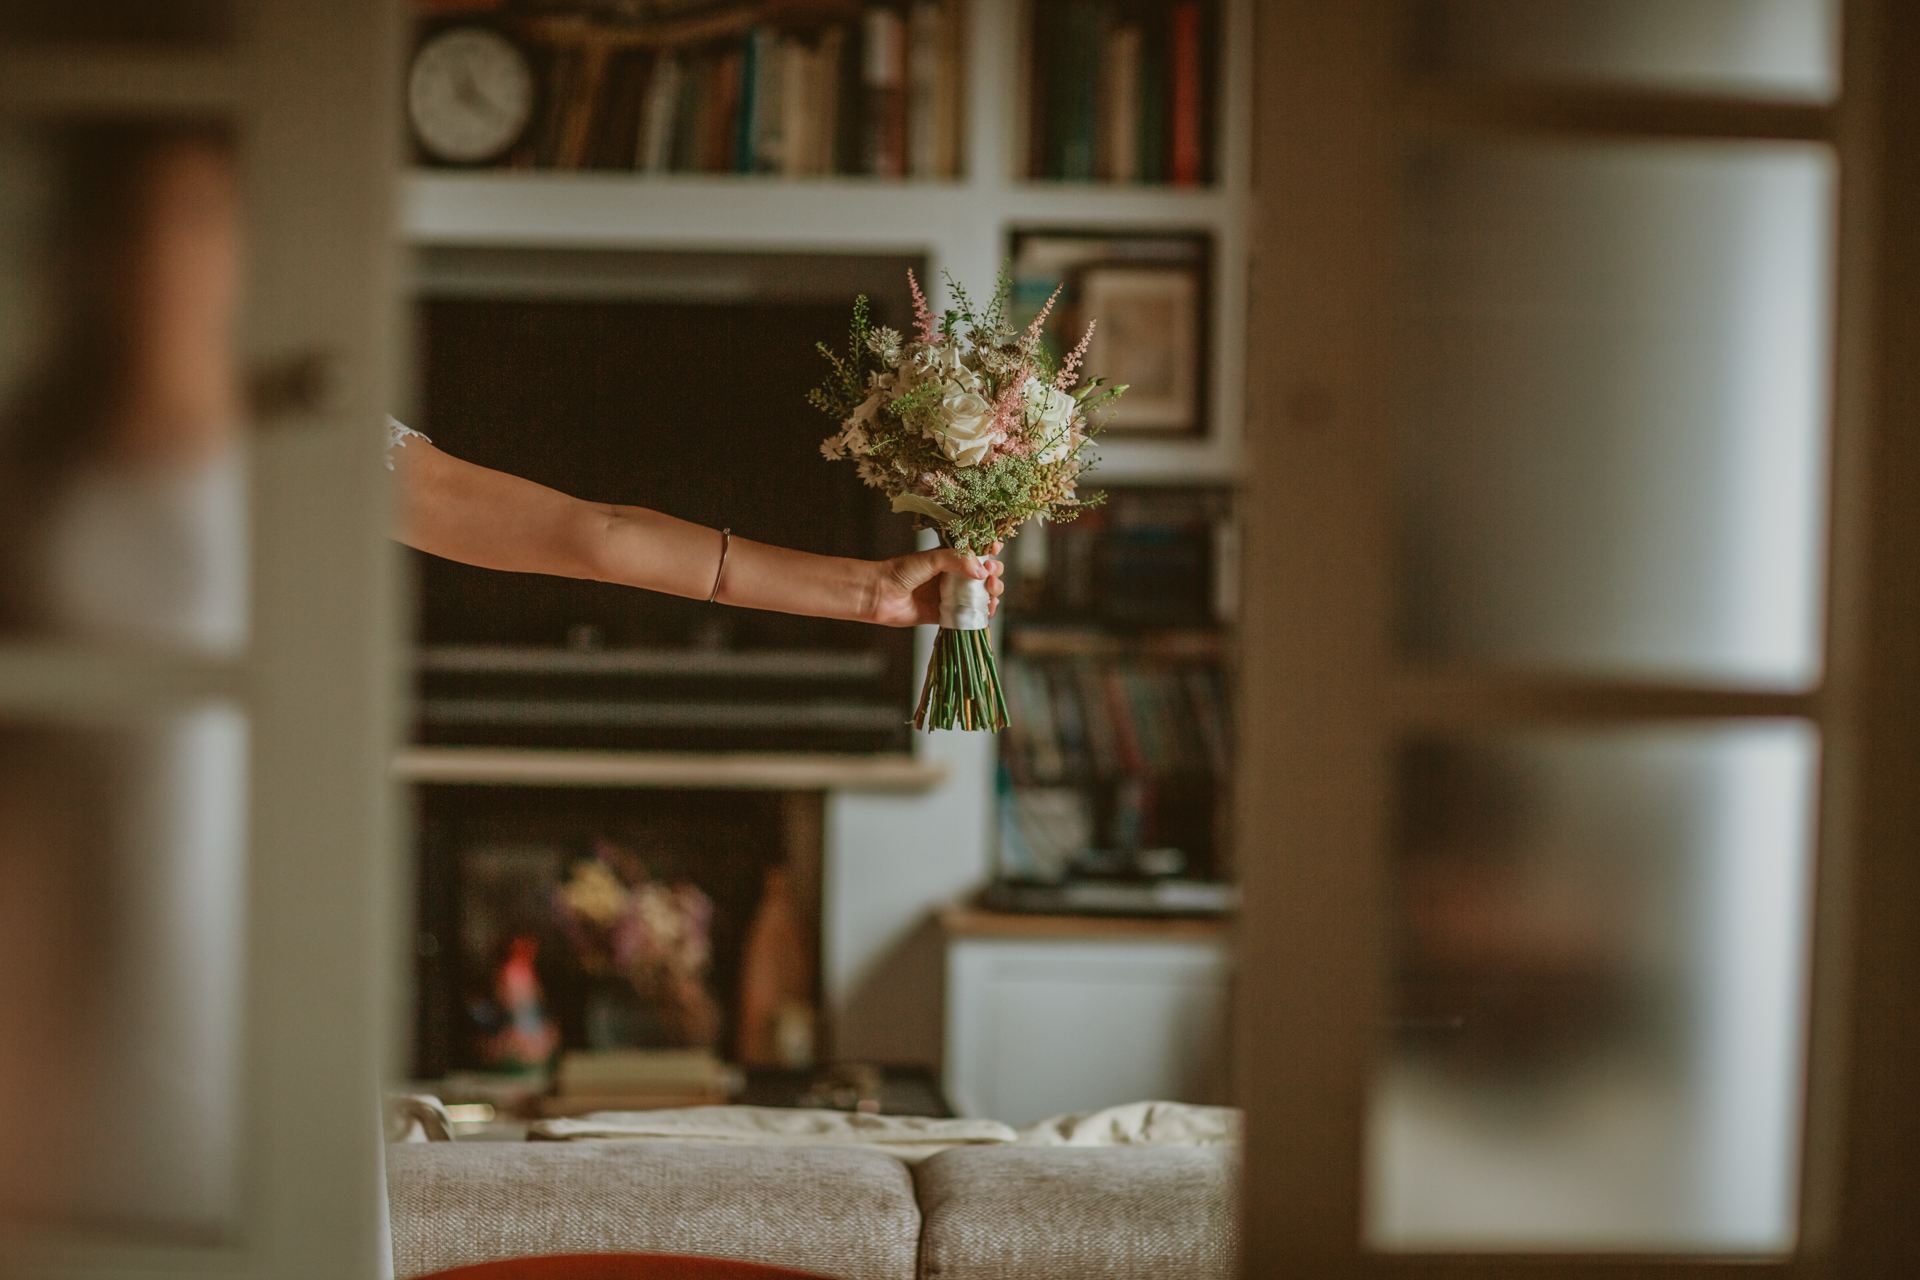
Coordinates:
1599 943
1611 409
1782 49
124 554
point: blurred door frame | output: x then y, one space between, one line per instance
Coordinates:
1324 695
310 89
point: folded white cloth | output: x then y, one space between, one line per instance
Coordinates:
1138 1124
912 1138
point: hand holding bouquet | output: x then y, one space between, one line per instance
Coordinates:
971 429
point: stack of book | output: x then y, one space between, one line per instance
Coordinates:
636 1080
830 88
1121 91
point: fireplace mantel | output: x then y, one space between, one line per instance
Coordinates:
494 766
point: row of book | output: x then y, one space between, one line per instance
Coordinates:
1078 721
1121 91
1134 563
876 93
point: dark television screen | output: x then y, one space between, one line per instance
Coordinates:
694 408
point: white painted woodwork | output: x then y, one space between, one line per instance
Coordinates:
1037 1028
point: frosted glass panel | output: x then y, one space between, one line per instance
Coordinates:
1612 407
122 485
1599 964
122 856
1786 49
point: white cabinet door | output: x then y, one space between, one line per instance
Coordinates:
1036 1029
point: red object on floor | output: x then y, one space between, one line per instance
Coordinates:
620 1266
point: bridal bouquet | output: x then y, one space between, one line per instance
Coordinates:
970 428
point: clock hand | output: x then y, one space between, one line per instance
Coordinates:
469 92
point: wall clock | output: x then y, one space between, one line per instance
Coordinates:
469 94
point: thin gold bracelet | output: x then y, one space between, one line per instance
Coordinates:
726 542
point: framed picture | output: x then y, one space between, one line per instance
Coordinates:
1147 338
1150 294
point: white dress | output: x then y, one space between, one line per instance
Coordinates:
156 557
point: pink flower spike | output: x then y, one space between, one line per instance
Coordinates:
922 314
1039 321
1067 377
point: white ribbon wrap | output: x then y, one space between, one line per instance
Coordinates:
963 603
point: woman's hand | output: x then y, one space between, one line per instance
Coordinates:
906 589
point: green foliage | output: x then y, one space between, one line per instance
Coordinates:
846 384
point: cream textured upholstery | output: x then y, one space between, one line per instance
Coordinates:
843 1213
1048 1213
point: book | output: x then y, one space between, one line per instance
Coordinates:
756 61
1076 90
1102 748
689 125
1150 151
796 148
1120 105
583 93
617 134
930 58
654 151
1185 165
720 138
563 70
830 102
883 84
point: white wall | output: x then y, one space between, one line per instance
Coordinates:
891 862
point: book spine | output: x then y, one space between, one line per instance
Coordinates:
655 153
1150 152
753 63
1126 734
926 61
1040 87
616 133
1186 162
1078 733
946 121
723 112
1079 90
562 69
1120 121
796 109
583 95
882 78
1203 692
690 129
827 125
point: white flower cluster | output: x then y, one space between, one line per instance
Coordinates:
962 419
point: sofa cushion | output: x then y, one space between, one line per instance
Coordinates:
1039 1213
843 1213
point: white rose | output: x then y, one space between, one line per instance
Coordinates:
965 432
1049 410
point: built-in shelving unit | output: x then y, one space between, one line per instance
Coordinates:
962 225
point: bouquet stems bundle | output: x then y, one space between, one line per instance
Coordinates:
962 687
971 428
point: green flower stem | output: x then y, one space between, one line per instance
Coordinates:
962 688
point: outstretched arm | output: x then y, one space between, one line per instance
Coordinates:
467 513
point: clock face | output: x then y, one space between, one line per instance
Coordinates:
469 95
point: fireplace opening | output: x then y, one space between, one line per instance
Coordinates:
553 920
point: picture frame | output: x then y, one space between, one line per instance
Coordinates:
1151 295
1147 338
